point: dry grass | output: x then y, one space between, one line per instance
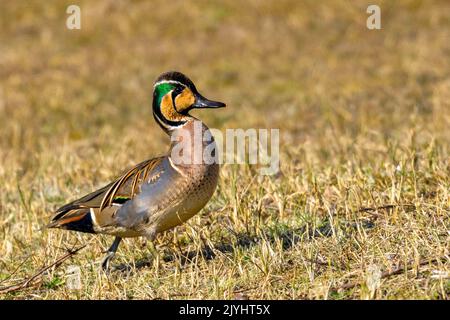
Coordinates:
364 119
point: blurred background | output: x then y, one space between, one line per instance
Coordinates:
350 103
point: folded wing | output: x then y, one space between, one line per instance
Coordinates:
97 209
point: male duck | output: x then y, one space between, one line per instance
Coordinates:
156 194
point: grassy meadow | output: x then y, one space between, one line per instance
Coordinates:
360 208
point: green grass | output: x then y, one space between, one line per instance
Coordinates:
363 118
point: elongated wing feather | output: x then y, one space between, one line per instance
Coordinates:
128 184
121 190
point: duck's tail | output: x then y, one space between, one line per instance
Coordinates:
73 219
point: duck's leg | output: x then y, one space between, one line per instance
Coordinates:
151 236
110 254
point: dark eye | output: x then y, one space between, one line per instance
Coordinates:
177 91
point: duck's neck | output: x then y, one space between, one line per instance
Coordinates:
192 144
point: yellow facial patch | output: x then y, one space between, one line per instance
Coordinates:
184 100
168 110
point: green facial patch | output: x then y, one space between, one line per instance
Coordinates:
161 90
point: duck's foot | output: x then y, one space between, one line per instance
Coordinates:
110 254
107 259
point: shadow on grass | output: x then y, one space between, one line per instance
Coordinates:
287 237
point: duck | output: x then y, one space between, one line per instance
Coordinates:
160 193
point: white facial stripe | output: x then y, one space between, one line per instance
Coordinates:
165 125
162 122
167 81
179 126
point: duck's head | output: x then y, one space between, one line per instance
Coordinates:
174 95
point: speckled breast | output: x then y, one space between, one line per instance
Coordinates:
191 195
